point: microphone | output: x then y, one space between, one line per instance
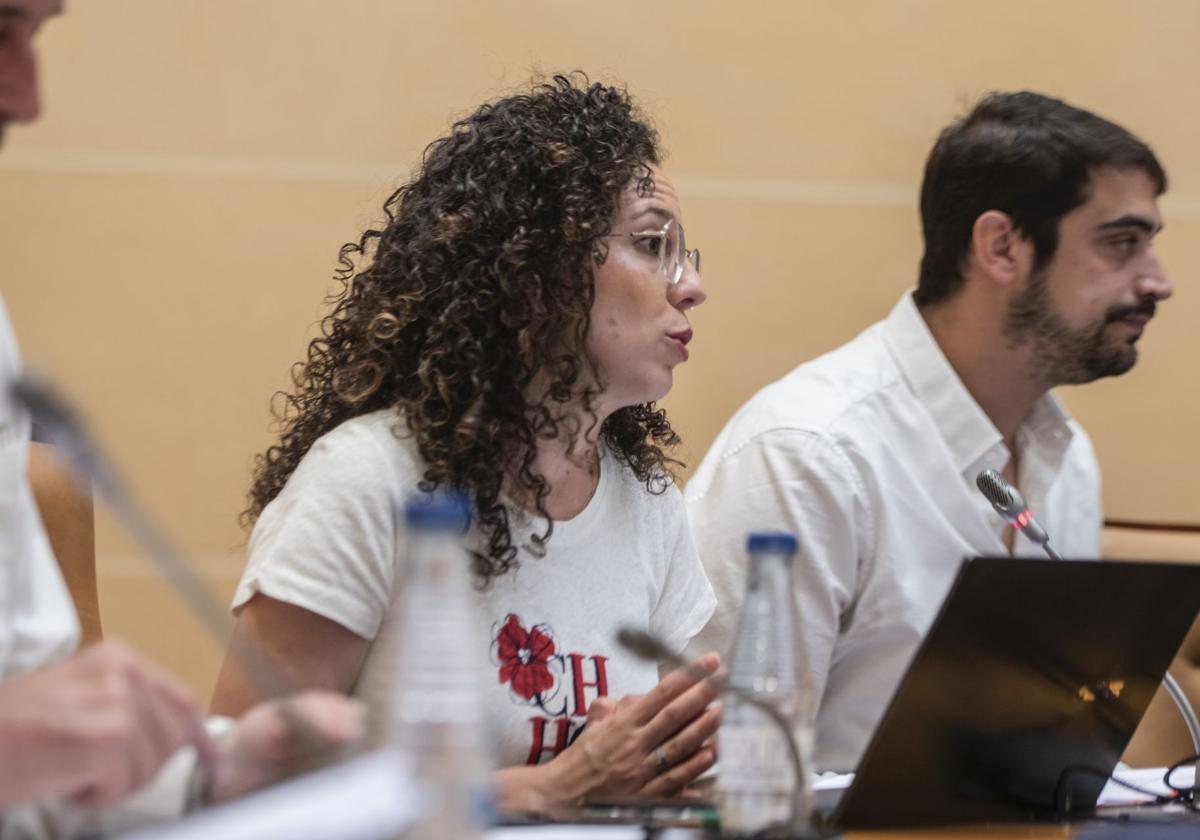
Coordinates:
64 427
1009 503
646 646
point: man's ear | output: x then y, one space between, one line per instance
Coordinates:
998 248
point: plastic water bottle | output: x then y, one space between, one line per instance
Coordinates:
756 782
434 713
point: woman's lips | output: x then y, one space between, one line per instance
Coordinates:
680 340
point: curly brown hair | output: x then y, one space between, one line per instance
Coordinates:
480 283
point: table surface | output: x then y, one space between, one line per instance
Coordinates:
1026 832
1150 827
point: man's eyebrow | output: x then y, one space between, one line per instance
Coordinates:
1131 220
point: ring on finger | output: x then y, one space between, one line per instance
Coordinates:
660 758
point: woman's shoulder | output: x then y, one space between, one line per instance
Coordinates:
379 432
361 467
370 445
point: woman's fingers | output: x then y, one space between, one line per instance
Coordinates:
673 781
601 708
620 743
680 712
689 740
673 685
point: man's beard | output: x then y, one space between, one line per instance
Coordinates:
1066 356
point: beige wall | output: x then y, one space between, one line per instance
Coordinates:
170 227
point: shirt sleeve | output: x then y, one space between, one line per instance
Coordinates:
327 542
42 625
37 618
687 599
799 482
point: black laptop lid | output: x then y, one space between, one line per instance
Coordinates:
1025 692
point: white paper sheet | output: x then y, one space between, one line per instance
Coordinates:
1148 778
365 798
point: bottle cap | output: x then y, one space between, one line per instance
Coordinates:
441 510
779 542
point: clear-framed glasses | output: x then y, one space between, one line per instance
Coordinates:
668 244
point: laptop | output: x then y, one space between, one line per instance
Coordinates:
1024 694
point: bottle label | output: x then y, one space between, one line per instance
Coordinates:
754 758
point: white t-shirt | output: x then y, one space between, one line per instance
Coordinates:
869 454
329 543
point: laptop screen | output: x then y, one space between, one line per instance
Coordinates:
1024 693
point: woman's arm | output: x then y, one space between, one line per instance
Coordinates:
309 651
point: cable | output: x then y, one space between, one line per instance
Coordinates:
1185 708
1062 793
1188 794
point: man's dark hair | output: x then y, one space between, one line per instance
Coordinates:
1024 154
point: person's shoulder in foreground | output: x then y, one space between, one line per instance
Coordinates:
80 733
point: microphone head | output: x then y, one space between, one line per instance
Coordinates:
45 405
994 488
1005 498
642 644
62 426
1009 503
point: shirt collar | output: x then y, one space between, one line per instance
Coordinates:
969 433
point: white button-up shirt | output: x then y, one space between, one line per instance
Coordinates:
37 620
869 454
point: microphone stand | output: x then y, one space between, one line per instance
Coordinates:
66 429
649 647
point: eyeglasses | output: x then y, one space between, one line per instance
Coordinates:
667 243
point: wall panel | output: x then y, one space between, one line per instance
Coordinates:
168 230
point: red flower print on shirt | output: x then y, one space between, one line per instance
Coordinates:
524 657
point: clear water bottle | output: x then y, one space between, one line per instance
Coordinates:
434 713
757 786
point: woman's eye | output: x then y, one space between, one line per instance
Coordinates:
651 244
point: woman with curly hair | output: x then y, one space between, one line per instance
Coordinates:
506 333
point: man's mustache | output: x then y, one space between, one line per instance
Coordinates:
1146 307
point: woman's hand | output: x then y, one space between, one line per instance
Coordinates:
650 745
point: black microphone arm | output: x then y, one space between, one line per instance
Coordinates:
649 647
63 427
